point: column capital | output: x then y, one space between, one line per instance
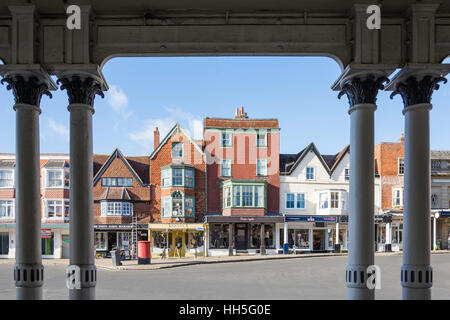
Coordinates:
27 82
82 83
361 82
417 82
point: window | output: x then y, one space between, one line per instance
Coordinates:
116 208
6 209
334 202
300 200
347 174
323 200
261 167
309 173
435 164
290 201
165 177
219 236
117 182
47 245
6 179
226 140
57 209
165 206
261 140
177 177
434 201
189 178
177 150
54 179
101 241
226 168
177 205
401 166
189 206
243 195
397 197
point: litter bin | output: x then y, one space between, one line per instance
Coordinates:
116 257
143 252
285 248
337 248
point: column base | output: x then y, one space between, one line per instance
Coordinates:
28 279
416 293
25 293
416 277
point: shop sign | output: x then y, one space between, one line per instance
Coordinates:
385 219
311 219
246 219
117 226
46 233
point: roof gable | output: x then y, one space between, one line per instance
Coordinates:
302 155
114 155
176 128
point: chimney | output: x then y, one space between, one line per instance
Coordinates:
401 139
236 113
242 112
155 138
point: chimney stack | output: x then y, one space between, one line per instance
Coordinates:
401 139
155 138
236 113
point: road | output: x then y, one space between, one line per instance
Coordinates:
305 278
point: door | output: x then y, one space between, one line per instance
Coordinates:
65 247
318 240
178 244
241 237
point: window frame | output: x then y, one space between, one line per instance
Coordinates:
222 167
65 173
265 139
65 204
117 184
401 195
117 206
167 206
182 150
255 196
400 164
313 174
259 174
222 144
12 179
12 206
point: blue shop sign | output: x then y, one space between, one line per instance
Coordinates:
311 219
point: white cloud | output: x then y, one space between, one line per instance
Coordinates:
191 123
118 101
60 129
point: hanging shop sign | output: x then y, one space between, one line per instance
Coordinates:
46 233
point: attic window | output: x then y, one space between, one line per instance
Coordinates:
177 150
310 173
117 182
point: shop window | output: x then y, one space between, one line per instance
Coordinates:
101 241
196 239
255 235
6 209
6 179
159 239
268 236
4 242
47 245
219 236
302 238
124 240
331 236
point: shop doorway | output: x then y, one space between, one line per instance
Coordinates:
112 240
65 247
241 236
178 244
319 240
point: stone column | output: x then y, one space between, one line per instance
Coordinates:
285 232
81 90
230 239
28 270
361 90
262 248
337 233
434 232
416 89
388 244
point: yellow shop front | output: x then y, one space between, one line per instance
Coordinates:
177 239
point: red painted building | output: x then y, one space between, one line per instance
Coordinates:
242 182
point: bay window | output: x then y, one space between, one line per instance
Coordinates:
56 209
179 176
332 200
57 178
116 208
248 194
177 205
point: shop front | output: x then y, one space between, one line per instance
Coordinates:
117 236
245 234
177 239
442 229
385 233
313 233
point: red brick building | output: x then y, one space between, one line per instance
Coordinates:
121 201
177 178
243 183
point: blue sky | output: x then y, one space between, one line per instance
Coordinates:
149 92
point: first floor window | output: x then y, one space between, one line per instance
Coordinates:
261 140
434 201
290 201
101 241
226 168
261 167
110 208
57 209
247 195
295 201
6 178
177 204
7 209
237 196
259 196
334 202
189 206
165 206
227 197
300 200
226 140
323 200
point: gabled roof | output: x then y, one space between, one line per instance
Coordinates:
56 164
118 154
176 128
288 162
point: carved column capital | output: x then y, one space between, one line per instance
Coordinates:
26 89
363 89
81 89
417 89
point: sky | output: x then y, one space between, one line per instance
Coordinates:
148 92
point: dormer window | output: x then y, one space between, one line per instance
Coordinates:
57 178
117 182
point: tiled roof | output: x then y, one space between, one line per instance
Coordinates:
440 154
112 193
7 164
56 164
